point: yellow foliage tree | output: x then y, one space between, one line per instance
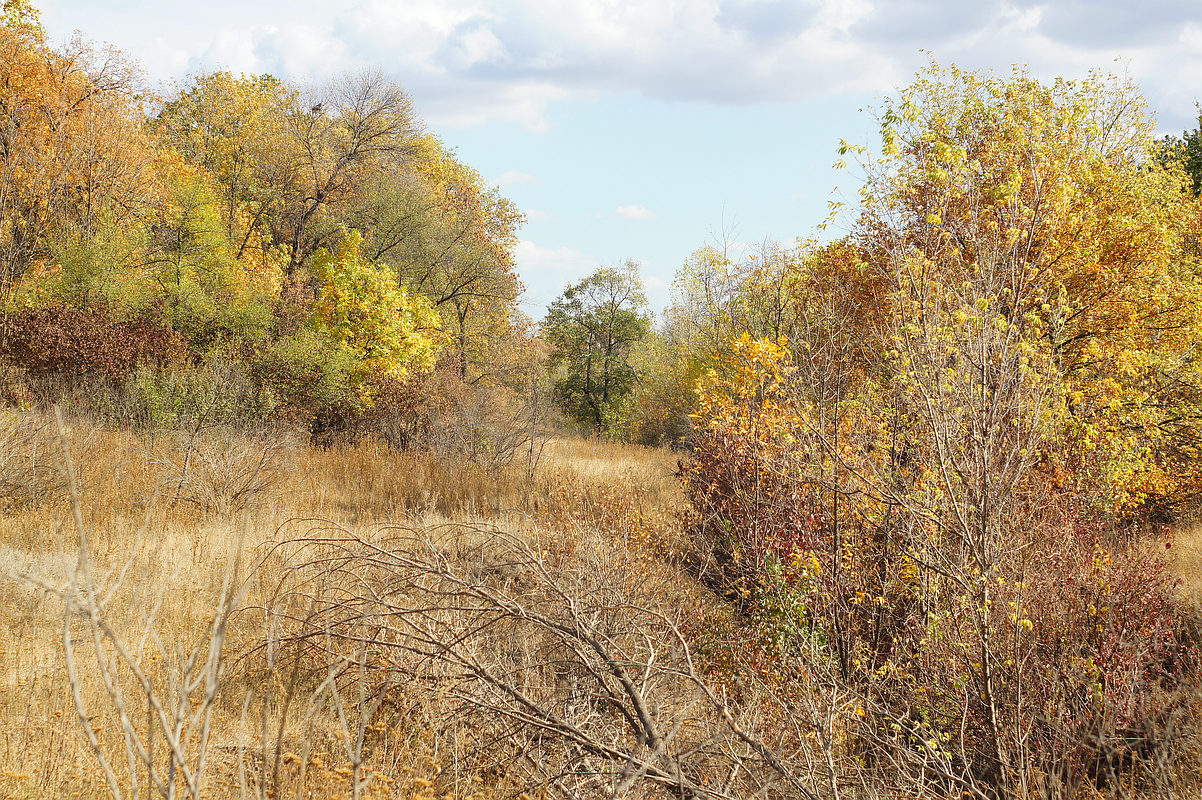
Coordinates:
1045 204
72 152
361 307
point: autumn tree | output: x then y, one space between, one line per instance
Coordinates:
72 153
236 130
790 294
1054 191
591 328
451 238
185 268
349 126
718 298
703 291
296 170
1042 318
289 161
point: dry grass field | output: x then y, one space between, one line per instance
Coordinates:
180 536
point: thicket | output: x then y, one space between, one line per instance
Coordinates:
938 462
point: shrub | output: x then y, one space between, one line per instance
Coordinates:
486 423
1041 657
398 413
306 374
60 342
218 392
225 473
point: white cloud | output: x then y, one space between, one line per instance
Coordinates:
296 50
446 103
534 215
547 270
635 212
533 259
470 61
474 47
234 50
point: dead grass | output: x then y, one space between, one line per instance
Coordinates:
1185 556
155 552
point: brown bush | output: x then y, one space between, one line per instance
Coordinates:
484 423
56 341
224 472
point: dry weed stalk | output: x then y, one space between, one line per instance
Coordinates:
316 709
28 475
178 707
569 682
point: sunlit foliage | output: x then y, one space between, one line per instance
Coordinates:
972 408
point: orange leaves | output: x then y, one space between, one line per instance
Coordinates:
753 371
71 147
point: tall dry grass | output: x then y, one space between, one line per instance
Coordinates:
172 523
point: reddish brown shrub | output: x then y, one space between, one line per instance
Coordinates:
57 341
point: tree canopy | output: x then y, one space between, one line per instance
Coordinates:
592 328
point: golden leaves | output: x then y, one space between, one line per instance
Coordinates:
362 307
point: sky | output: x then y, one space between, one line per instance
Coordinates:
644 130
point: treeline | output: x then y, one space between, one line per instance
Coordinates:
247 250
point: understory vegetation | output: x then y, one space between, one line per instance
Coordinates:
295 501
